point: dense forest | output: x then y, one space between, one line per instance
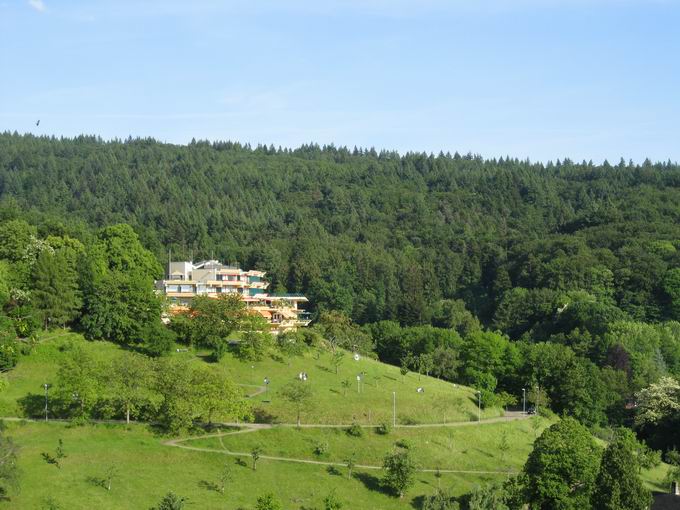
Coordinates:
502 274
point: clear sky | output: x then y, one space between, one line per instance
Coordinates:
544 79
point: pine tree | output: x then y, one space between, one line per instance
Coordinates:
618 486
55 289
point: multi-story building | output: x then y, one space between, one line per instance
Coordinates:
185 280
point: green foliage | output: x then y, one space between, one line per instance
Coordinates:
210 322
79 381
485 497
618 486
119 299
56 292
214 394
9 470
440 500
299 395
268 502
383 429
400 469
173 383
332 502
129 380
170 502
355 430
561 470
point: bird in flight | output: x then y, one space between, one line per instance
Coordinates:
37 123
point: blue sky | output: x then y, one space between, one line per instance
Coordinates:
542 79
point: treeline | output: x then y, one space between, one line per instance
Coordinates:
376 235
560 279
169 392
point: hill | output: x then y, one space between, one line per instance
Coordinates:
376 235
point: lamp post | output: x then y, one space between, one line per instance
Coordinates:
266 384
47 387
394 408
479 406
524 401
359 383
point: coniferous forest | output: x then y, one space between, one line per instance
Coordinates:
503 274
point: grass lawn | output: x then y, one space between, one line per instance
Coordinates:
369 403
473 447
147 470
440 402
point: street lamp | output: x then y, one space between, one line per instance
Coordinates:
524 401
479 406
266 384
47 387
359 383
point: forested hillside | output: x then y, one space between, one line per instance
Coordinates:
562 279
375 235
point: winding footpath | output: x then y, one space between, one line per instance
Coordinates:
248 428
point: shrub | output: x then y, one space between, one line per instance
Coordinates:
355 430
320 448
404 443
383 429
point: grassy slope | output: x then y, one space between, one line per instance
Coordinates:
148 469
441 401
472 447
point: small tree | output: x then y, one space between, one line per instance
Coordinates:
351 462
438 476
225 477
337 358
214 394
129 377
345 386
400 470
536 423
170 501
503 444
405 367
331 502
255 454
299 395
268 502
110 473
9 472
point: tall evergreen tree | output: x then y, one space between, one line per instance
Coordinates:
56 292
618 485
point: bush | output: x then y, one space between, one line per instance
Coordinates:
320 448
383 429
404 443
9 354
355 430
268 502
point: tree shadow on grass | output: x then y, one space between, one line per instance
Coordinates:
371 482
209 486
333 470
97 481
263 416
33 406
